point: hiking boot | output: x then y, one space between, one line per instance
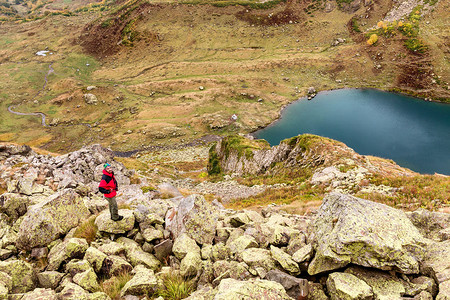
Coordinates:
118 219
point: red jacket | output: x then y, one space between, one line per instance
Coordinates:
108 185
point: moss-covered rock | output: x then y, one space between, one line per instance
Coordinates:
13 205
105 224
352 230
259 260
72 291
113 265
191 264
303 254
231 269
112 248
40 294
345 286
183 245
98 296
23 277
72 248
76 266
196 217
3 291
6 281
48 220
230 289
219 252
437 265
49 279
139 257
87 280
144 282
384 285
150 234
95 257
241 243
285 260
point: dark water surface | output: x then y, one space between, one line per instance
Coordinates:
412 132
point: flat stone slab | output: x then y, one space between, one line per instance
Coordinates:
105 224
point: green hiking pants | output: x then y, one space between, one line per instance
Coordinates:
113 208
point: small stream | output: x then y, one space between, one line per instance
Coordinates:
40 114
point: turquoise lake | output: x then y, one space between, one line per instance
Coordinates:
412 132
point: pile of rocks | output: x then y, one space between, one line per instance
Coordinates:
346 251
351 249
31 174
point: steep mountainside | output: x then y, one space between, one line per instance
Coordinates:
134 73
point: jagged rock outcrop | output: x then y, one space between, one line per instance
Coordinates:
321 161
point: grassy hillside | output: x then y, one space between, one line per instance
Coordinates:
170 72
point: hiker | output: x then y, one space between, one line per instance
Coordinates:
108 187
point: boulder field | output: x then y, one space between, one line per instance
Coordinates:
349 249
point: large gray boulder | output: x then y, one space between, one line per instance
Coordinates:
259 260
144 282
437 265
229 289
191 264
352 230
13 205
430 224
105 224
40 294
71 248
345 286
49 279
194 216
23 277
183 245
385 286
48 220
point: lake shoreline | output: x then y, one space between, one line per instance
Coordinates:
373 122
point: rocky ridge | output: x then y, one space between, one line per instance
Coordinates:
344 251
329 163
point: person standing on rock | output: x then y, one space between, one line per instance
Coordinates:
108 187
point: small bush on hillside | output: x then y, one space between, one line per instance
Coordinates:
355 25
416 45
373 39
213 162
146 189
408 29
176 287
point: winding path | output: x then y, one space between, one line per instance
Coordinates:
42 115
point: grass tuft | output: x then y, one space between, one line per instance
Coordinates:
114 285
176 287
87 230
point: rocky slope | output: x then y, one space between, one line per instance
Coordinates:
344 251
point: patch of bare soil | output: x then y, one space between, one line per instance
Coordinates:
287 16
415 73
104 37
